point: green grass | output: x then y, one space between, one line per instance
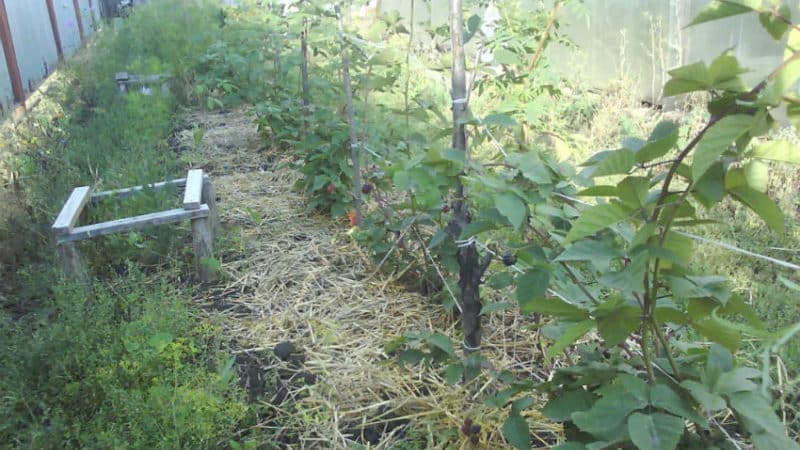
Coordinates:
136 365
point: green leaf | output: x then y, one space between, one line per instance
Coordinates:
783 82
570 446
710 401
500 120
724 73
719 10
512 208
736 380
656 431
693 77
606 418
776 26
769 441
757 175
716 141
663 397
710 188
633 191
516 432
453 373
619 324
561 407
661 141
571 334
719 332
616 162
599 252
442 342
553 307
598 191
532 285
595 219
505 56
762 205
777 151
531 167
521 404
756 413
500 280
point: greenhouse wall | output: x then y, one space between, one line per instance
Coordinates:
636 41
34 42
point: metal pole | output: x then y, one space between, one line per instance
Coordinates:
11 56
54 24
79 19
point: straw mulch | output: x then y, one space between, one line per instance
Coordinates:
297 277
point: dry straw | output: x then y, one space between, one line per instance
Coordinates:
294 276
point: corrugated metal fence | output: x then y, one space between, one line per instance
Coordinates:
36 34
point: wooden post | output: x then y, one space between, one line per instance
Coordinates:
202 236
71 260
11 56
51 11
203 243
79 19
72 263
210 199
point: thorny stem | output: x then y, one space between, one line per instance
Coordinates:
651 289
646 356
408 67
545 34
664 343
348 93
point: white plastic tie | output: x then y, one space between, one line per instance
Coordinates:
466 243
466 347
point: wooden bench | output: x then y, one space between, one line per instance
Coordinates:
125 79
199 206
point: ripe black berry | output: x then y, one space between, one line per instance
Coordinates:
366 188
466 427
475 429
509 259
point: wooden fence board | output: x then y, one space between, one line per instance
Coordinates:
71 210
192 196
133 223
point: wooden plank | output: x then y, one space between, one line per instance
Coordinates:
120 194
71 210
131 191
192 196
125 77
133 223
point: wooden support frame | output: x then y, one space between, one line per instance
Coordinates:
199 206
125 80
